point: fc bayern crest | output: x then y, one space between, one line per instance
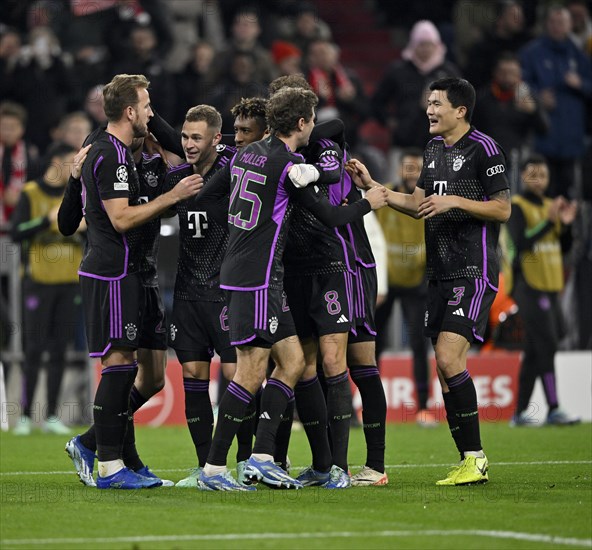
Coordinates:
457 164
131 331
151 179
273 325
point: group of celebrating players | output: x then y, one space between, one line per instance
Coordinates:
276 275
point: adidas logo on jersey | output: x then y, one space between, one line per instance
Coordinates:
432 165
265 415
342 319
459 311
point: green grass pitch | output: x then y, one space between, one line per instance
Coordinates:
539 496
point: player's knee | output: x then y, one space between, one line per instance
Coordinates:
447 361
334 364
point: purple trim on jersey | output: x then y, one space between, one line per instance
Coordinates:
370 330
100 277
115 321
489 140
352 241
488 144
279 211
244 288
484 247
288 392
364 264
438 138
260 309
118 303
476 336
477 299
360 295
96 166
111 311
256 316
349 293
245 341
119 149
179 167
148 157
335 194
100 353
344 246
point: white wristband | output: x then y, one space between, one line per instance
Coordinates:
303 174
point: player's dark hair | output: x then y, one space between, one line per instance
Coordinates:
15 110
288 81
122 92
287 106
207 113
251 107
460 93
533 158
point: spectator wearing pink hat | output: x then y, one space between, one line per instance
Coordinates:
399 101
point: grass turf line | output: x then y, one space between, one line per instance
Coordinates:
541 500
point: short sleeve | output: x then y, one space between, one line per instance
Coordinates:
493 170
113 174
421 179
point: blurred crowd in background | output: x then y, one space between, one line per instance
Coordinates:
370 63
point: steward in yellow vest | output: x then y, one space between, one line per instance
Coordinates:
534 275
47 256
50 294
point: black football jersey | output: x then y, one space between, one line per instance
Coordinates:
109 172
258 215
457 244
312 247
202 236
152 170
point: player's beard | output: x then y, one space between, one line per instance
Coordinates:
140 130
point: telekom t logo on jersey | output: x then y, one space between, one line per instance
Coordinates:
440 187
198 223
